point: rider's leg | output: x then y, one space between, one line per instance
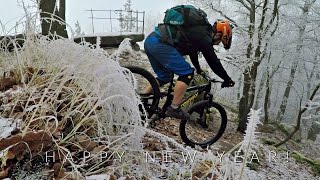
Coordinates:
180 89
157 53
178 93
166 60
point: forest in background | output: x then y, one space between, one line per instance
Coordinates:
274 58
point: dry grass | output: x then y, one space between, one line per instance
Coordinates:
70 101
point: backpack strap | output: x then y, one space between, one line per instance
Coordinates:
165 34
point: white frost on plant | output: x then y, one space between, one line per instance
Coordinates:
250 139
98 43
103 79
98 177
107 88
312 116
313 105
7 126
317 141
125 47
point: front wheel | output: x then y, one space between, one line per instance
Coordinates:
207 124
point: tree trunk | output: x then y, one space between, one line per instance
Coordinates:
49 13
239 88
244 106
259 92
248 96
267 100
311 76
62 28
46 8
286 94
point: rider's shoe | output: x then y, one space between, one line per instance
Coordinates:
177 113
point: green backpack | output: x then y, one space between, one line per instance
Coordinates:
177 20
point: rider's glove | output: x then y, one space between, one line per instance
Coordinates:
227 83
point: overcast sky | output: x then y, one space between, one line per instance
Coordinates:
11 12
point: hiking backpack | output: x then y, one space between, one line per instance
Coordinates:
177 20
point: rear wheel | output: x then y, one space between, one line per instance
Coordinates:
207 124
144 79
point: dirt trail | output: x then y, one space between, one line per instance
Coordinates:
170 128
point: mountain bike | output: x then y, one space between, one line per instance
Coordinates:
208 118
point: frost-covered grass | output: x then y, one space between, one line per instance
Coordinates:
70 91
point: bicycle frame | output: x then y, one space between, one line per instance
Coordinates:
199 89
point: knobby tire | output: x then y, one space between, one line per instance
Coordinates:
197 107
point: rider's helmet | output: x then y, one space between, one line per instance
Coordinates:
224 27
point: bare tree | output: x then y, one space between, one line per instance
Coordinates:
301 111
302 28
127 21
256 13
269 76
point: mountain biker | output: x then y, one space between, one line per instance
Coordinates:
167 58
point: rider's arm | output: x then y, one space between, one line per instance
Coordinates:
194 59
204 45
